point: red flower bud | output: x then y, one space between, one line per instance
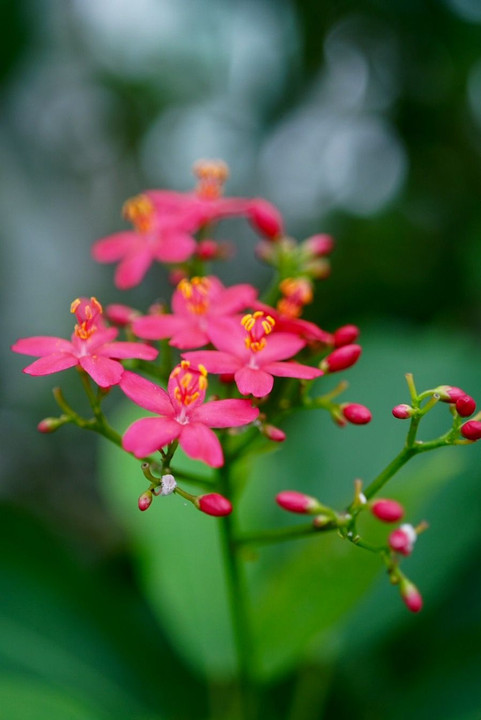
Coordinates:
402 540
319 245
356 414
465 406
410 594
266 218
273 433
387 510
207 249
471 430
214 504
341 359
402 412
145 500
449 393
346 335
49 425
121 314
297 502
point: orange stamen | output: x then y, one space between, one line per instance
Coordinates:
191 382
211 175
257 326
196 292
139 211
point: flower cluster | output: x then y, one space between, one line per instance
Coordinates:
262 357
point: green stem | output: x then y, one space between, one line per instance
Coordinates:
238 600
391 469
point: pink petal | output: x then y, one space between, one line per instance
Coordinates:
102 370
157 327
146 394
214 361
133 267
229 337
128 350
234 299
280 346
42 345
292 369
175 247
99 338
189 337
225 413
51 364
146 436
201 443
114 247
254 382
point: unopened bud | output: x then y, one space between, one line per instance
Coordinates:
449 393
318 245
402 412
273 433
346 335
387 510
402 540
465 406
119 314
471 430
319 268
410 594
176 275
341 359
297 502
209 249
213 504
49 425
265 218
145 500
356 414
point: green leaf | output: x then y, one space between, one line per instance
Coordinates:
21 698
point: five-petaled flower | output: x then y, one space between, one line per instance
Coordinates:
91 347
197 304
246 352
184 415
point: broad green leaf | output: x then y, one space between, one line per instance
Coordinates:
21 699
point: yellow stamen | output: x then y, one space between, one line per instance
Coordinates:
139 211
257 325
211 175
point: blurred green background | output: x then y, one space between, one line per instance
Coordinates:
362 119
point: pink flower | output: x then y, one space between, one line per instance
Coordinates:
305 329
197 304
184 415
166 237
90 348
245 352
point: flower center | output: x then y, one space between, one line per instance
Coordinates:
297 292
190 383
257 326
139 210
196 292
211 175
87 313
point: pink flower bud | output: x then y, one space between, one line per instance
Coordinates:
402 540
273 433
465 406
346 335
214 504
471 430
341 359
402 412
318 245
176 275
410 594
356 414
120 314
145 500
49 425
387 510
449 393
297 502
266 218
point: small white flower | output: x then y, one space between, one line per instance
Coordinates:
168 485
